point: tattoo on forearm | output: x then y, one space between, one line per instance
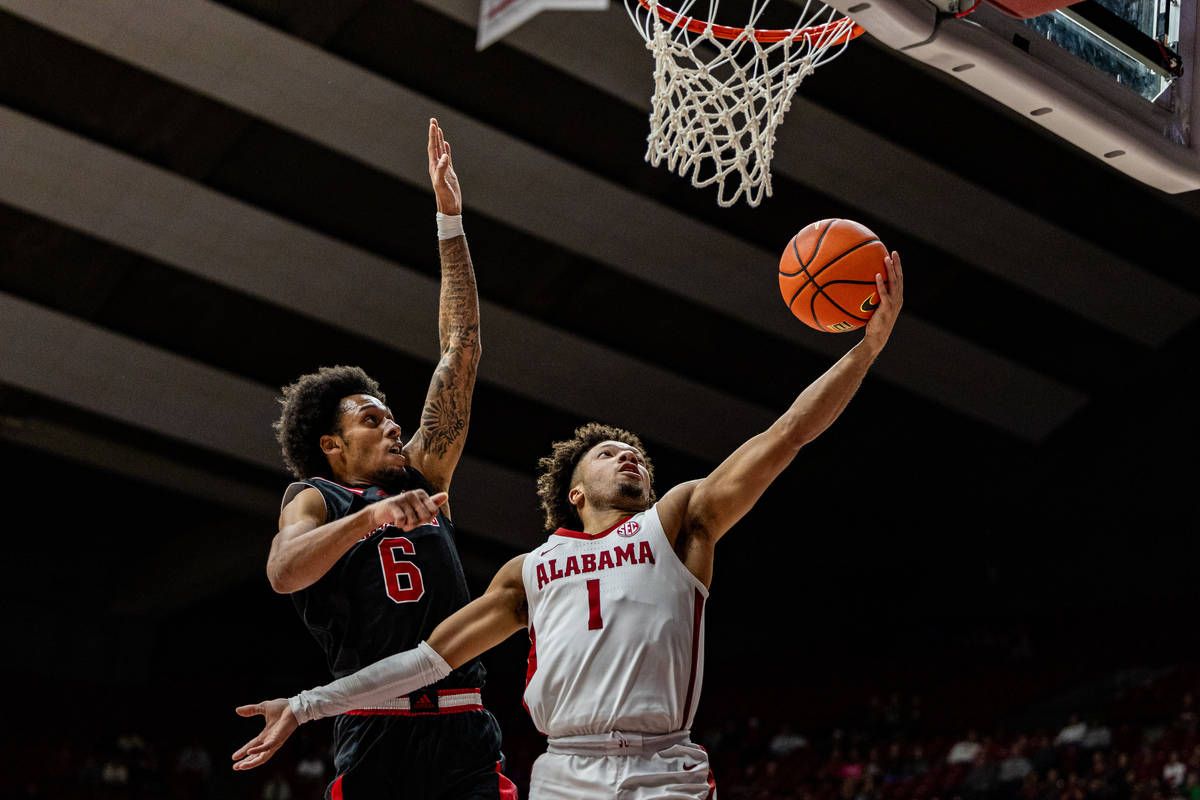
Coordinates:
448 405
458 317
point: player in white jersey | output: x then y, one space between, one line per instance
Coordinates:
613 602
616 657
594 603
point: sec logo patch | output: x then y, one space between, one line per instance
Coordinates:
628 529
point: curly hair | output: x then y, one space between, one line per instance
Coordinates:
310 410
557 469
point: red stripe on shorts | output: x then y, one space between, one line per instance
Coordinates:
508 789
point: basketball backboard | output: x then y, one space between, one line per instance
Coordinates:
1115 77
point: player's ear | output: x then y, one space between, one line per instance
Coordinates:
575 496
330 444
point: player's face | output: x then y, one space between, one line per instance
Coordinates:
369 446
614 474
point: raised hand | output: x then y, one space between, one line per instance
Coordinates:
279 722
408 510
891 298
441 172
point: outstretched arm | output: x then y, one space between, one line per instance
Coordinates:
695 515
438 443
472 630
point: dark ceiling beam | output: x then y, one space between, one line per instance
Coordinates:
86 187
163 557
948 290
186 563
356 112
248 160
137 464
863 168
169 309
116 377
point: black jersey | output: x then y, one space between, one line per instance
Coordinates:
389 591
384 595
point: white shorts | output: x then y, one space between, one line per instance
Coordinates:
622 766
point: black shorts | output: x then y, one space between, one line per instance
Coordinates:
442 757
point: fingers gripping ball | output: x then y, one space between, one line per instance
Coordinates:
827 275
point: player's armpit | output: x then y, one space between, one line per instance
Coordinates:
706 509
672 507
732 489
486 621
717 502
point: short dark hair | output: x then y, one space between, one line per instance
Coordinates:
556 469
310 410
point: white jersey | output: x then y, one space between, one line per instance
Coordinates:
616 625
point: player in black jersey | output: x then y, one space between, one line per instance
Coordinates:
366 546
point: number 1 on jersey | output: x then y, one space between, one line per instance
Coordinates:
595 621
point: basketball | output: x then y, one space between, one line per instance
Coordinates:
827 275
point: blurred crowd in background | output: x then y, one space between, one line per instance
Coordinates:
1132 735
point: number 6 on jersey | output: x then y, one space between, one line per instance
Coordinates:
394 568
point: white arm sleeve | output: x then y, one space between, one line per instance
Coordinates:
386 679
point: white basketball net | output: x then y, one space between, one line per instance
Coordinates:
717 103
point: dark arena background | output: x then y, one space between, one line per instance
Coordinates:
981 582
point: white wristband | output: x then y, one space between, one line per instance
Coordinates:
449 225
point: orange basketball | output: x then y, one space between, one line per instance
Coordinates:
827 275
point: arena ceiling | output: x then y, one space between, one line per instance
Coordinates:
199 204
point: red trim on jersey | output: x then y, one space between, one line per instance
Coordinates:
530 669
531 662
335 483
508 789
354 489
361 492
335 789
581 535
697 616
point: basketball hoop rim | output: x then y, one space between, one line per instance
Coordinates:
766 36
